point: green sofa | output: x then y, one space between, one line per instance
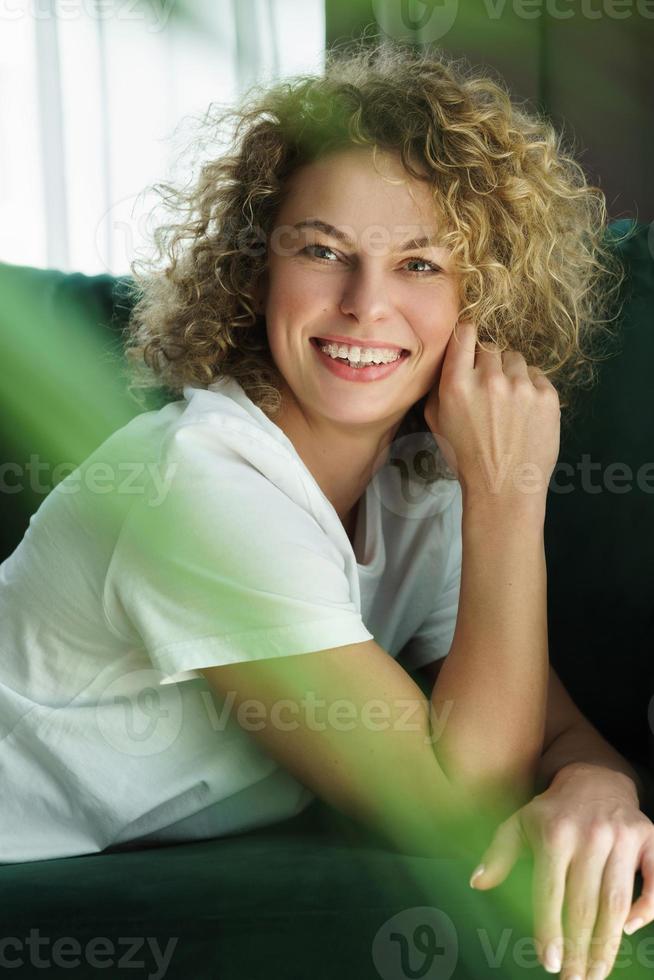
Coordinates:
315 896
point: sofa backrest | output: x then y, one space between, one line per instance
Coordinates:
599 528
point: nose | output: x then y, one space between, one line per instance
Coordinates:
365 295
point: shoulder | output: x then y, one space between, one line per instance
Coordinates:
226 483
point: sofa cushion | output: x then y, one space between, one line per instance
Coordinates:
308 899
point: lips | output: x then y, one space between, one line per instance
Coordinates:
368 373
372 345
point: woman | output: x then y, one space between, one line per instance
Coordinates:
203 653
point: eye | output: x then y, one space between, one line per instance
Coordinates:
325 248
431 267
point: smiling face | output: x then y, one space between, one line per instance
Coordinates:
340 266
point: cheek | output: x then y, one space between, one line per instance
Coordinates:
433 337
434 313
279 332
273 334
291 285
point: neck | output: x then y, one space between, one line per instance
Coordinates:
342 459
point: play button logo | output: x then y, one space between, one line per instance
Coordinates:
416 21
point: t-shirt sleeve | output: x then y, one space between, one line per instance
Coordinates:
226 567
433 639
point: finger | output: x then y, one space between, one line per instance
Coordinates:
514 364
503 852
538 377
488 358
460 353
643 907
548 891
582 903
615 901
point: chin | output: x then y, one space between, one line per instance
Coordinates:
361 414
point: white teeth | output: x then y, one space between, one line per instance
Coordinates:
361 355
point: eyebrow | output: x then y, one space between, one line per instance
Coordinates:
328 229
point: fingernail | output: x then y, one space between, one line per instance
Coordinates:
598 971
476 874
553 956
632 926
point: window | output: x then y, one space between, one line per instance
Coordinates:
95 100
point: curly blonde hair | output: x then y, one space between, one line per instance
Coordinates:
527 232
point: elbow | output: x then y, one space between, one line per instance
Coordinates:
496 796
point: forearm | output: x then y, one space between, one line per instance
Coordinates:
583 745
490 698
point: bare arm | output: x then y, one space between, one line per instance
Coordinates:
497 423
490 697
571 741
374 750
352 726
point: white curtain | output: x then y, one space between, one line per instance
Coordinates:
92 93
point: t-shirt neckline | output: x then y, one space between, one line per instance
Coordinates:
365 533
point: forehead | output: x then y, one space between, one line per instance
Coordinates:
355 186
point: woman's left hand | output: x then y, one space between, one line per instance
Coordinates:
588 837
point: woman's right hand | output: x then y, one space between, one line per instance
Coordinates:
496 420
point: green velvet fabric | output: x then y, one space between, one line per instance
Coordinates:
599 529
294 901
313 897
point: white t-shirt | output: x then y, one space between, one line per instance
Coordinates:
194 536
